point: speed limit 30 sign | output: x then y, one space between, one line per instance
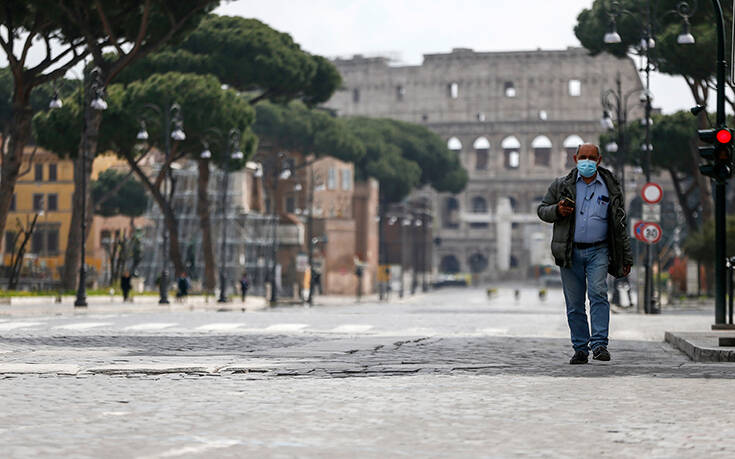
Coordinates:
650 233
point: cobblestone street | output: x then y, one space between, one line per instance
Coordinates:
450 373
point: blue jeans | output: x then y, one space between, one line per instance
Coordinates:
588 273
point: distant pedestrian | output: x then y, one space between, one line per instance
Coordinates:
590 239
126 285
182 287
316 281
244 286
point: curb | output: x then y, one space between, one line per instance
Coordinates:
702 347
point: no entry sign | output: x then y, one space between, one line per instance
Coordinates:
652 193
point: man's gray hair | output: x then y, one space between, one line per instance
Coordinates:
597 147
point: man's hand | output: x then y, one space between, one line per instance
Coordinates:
563 209
626 270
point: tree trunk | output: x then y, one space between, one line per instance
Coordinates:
18 135
205 225
72 256
168 217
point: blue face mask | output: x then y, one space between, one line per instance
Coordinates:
587 167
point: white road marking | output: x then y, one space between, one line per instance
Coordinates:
352 328
494 331
286 327
14 325
83 325
225 326
150 326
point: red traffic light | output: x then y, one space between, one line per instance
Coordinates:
724 136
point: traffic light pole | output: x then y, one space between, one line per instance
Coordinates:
720 229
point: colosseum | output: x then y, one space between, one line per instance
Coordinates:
515 118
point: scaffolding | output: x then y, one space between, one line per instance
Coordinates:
249 234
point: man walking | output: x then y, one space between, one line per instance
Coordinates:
590 239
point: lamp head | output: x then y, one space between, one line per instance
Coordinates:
696 110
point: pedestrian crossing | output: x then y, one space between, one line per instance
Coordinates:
164 327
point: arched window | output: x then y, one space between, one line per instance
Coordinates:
570 147
477 262
513 261
454 144
482 148
479 206
511 152
451 213
449 265
541 151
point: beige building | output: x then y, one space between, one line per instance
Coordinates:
514 118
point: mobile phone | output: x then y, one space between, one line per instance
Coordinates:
568 202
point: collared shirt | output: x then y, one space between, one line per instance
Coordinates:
590 210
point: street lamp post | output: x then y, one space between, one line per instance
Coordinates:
311 240
233 153
173 129
96 92
648 42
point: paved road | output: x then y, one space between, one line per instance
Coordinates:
451 373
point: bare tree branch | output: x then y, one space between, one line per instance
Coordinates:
30 162
108 29
145 49
106 197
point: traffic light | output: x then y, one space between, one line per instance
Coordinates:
719 152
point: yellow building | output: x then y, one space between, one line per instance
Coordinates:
46 189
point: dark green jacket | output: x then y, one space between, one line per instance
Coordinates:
618 241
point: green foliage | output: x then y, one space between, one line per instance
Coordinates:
205 105
673 136
696 61
208 112
701 245
40 95
120 193
310 131
247 55
403 156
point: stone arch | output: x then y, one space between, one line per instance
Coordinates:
454 144
477 262
478 205
511 152
482 152
449 264
541 151
570 145
451 212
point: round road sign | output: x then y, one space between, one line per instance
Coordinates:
638 231
651 233
652 193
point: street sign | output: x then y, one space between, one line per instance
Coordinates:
651 233
652 193
638 230
651 212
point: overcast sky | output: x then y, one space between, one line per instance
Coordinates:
407 29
